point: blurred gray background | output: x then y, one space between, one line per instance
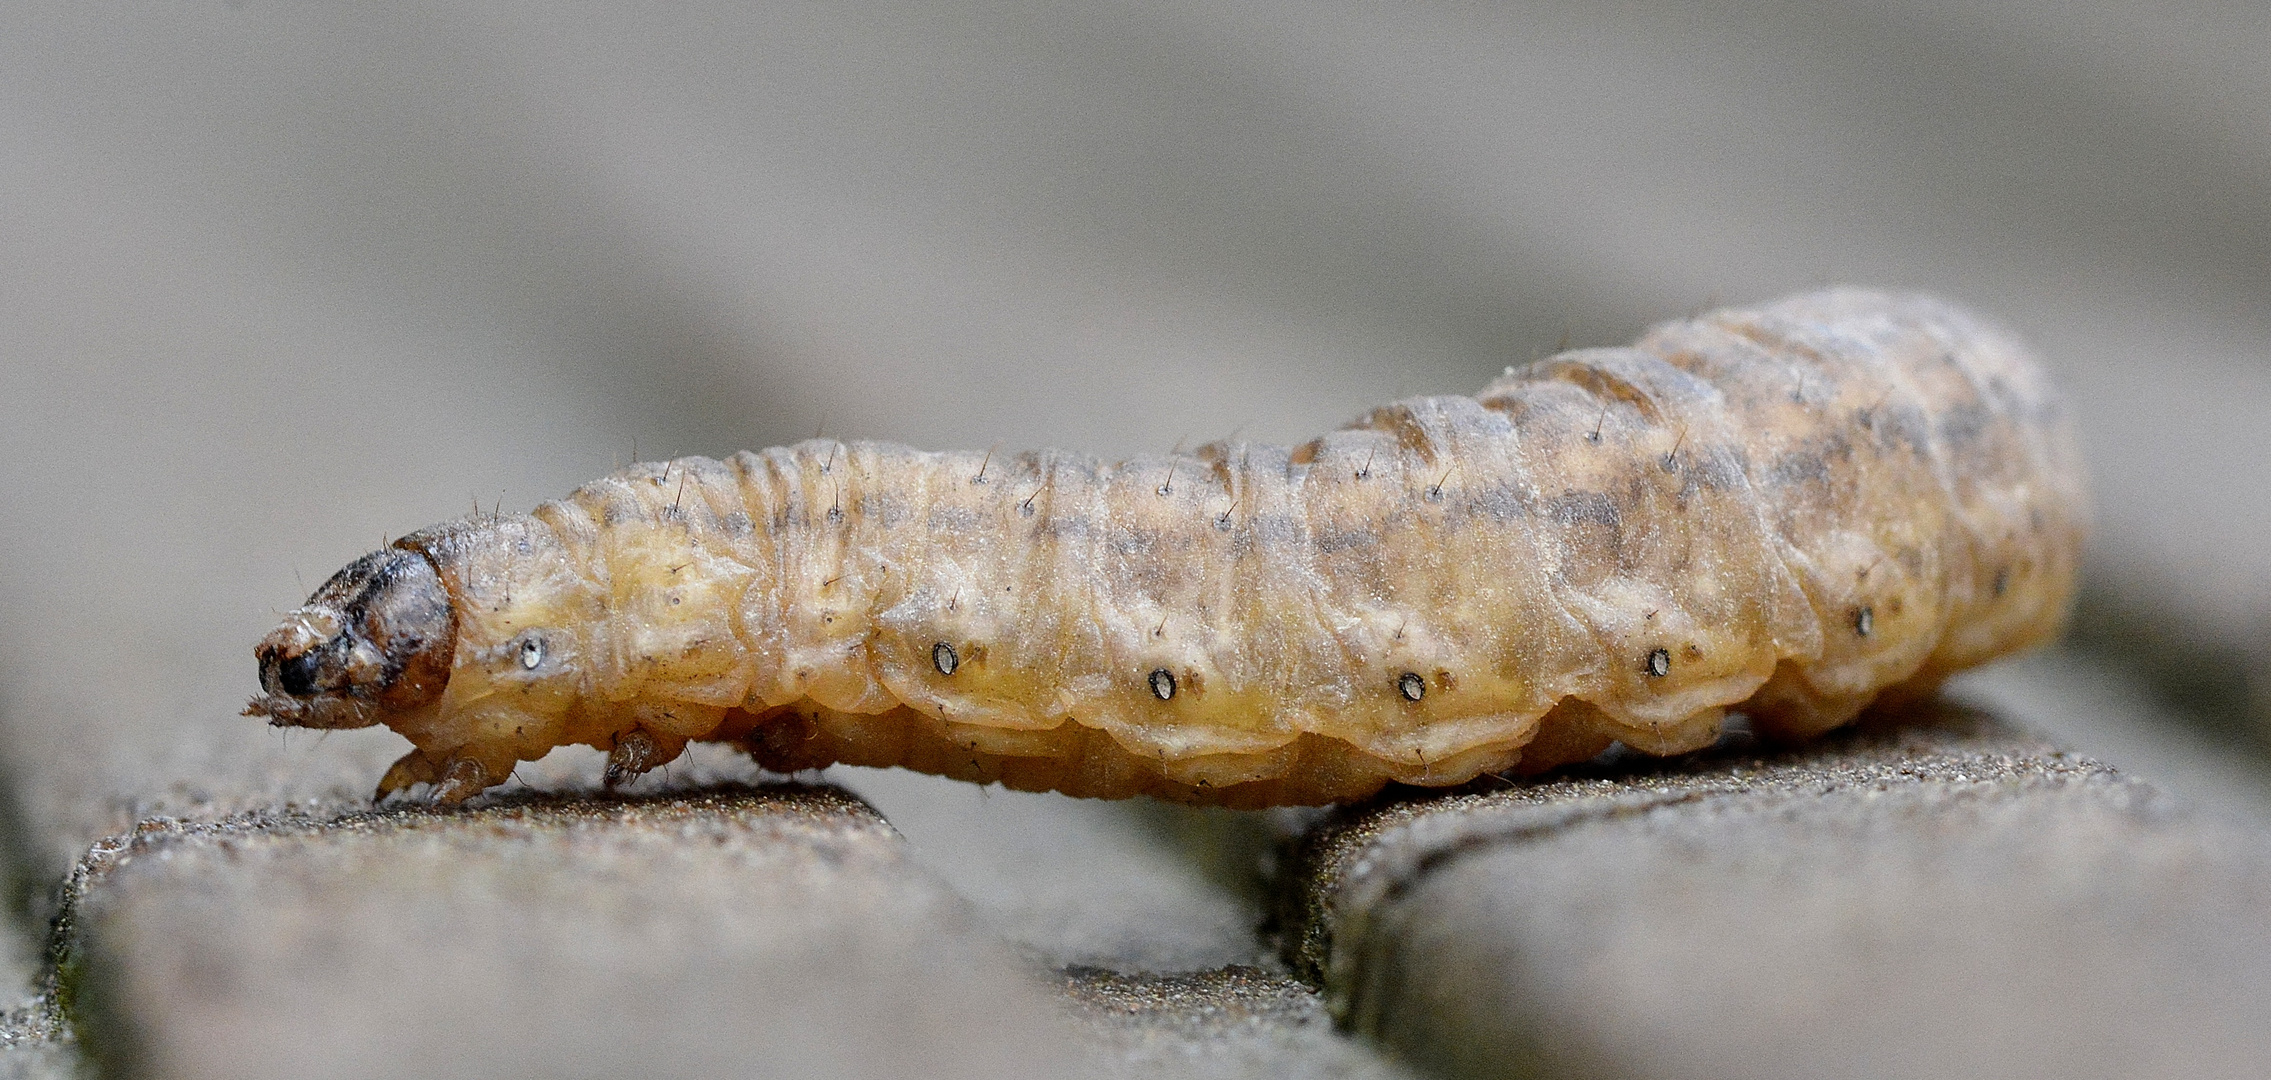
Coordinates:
280 281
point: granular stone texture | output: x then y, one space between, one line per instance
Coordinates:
2076 700
1946 898
735 931
1229 1023
35 1044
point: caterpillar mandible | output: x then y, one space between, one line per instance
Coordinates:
1786 510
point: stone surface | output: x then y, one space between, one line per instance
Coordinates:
1131 886
1230 1023
1940 899
2085 702
779 930
35 1044
1149 913
771 931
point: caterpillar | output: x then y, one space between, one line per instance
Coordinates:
1787 511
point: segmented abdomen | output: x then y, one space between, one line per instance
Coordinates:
1798 506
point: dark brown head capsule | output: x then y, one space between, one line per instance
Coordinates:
375 640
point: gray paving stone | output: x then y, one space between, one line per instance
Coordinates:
2090 704
1149 914
1231 1023
1949 898
735 932
1130 886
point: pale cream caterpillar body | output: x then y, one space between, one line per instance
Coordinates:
1787 510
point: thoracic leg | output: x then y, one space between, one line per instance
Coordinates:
456 778
411 769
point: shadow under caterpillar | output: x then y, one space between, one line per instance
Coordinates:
1788 509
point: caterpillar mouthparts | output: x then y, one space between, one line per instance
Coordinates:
1787 510
376 640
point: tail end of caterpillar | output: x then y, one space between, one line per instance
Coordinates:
373 643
